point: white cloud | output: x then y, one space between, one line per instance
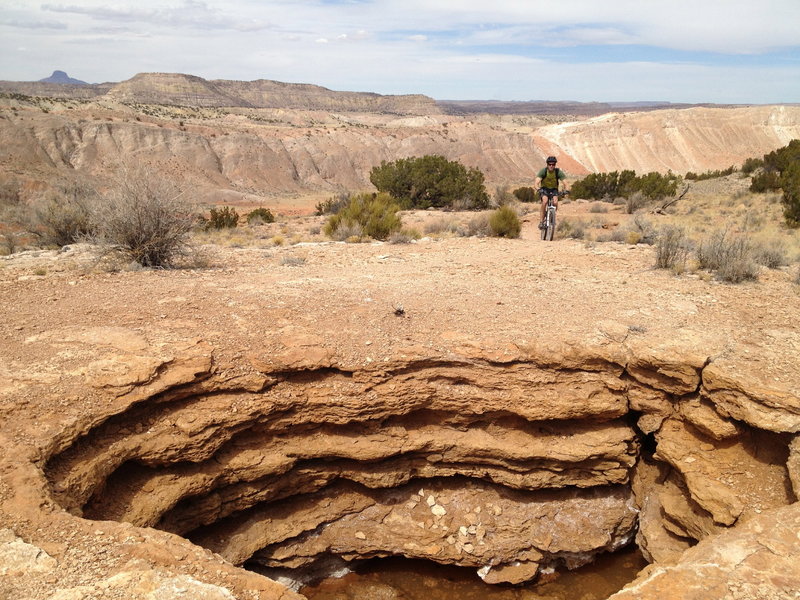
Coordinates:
445 48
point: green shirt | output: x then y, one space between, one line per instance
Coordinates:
550 179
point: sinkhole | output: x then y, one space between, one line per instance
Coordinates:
500 480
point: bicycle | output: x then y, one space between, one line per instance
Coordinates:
550 209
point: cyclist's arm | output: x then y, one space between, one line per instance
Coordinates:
564 185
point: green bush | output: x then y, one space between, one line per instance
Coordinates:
372 215
710 174
504 222
431 181
599 186
222 218
751 164
260 216
525 194
766 181
790 184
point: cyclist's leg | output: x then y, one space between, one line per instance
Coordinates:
542 208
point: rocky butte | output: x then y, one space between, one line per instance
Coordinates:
228 432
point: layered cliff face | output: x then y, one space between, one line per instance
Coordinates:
676 140
183 425
251 155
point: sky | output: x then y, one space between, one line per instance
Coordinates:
720 51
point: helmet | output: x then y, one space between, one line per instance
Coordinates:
552 159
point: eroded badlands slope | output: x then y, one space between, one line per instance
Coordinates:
534 405
258 156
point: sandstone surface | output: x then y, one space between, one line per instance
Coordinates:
529 408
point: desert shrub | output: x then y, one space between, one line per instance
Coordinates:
636 201
771 254
730 257
404 236
332 205
598 207
441 226
221 218
644 229
477 226
431 181
790 184
765 181
65 215
653 185
504 222
569 229
750 165
259 216
503 196
710 174
672 248
372 215
525 194
144 217
781 170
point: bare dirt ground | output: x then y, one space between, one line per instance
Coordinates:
361 303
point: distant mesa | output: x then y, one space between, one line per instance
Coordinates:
62 77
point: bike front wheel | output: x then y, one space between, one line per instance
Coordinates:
550 228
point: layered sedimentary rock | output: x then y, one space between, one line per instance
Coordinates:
506 465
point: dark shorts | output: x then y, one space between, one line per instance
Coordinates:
548 191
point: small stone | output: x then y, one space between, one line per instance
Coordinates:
498 511
431 500
472 529
438 510
462 530
468 548
477 510
451 540
360 535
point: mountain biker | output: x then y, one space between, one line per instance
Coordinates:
547 181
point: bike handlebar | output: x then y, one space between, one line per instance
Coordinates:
543 192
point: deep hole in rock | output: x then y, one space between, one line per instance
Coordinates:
512 471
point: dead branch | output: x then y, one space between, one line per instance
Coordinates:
660 210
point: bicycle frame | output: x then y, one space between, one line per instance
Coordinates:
549 216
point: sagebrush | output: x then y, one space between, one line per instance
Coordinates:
371 215
145 217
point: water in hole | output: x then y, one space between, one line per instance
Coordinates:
404 579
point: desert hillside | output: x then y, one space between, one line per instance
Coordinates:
267 142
